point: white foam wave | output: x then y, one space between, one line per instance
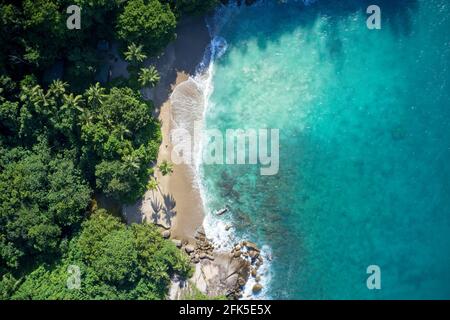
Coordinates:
190 102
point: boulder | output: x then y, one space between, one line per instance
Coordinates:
166 234
253 254
177 243
257 288
251 246
189 248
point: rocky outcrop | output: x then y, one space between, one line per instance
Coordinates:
219 273
250 252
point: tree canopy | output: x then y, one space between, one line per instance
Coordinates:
193 7
66 139
150 23
43 199
115 262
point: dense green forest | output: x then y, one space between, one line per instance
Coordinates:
65 140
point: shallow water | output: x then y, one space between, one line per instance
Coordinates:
364 119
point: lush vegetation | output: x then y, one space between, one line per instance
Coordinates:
150 23
65 138
43 197
196 294
115 262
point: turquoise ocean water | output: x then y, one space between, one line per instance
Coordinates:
364 120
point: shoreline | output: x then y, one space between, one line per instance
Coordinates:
181 184
177 206
177 192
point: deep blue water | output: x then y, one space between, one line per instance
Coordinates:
364 119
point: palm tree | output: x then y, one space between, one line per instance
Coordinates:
149 76
122 130
37 95
166 168
58 87
73 102
135 54
105 120
152 184
95 94
86 118
131 162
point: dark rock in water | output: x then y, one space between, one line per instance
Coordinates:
335 47
257 288
398 133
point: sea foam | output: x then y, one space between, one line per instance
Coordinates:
190 103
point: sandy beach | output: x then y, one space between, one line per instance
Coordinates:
177 207
178 197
